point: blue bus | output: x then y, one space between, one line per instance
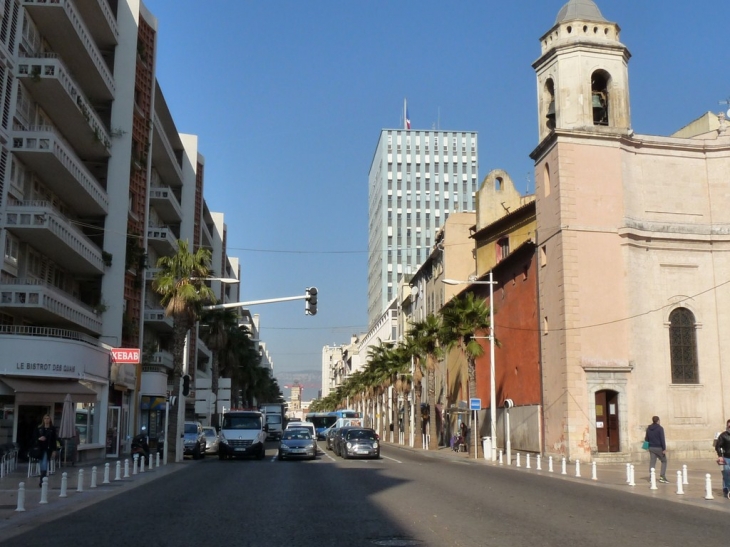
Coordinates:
323 420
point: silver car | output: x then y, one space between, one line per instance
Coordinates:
211 440
297 443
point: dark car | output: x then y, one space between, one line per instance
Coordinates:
297 443
337 439
330 437
360 442
194 443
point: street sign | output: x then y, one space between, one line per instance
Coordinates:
125 355
475 404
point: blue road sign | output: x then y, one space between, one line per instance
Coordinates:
475 404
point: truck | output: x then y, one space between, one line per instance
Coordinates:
274 415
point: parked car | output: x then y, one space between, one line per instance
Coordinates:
337 440
211 440
309 426
194 443
297 443
330 438
360 442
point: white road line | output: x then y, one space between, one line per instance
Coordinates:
393 459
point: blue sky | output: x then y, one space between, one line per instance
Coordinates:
288 99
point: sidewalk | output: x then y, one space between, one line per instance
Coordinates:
610 475
13 522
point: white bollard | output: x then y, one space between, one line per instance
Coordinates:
44 491
106 474
684 475
135 466
80 482
518 460
708 487
539 459
501 455
527 462
680 490
21 497
126 468
594 475
550 464
93 477
631 476
652 479
141 464
577 468
157 459
64 485
628 473
564 470
118 471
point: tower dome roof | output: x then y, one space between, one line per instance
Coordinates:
584 10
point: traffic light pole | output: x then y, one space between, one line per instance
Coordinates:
253 303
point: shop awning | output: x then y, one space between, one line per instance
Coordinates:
48 391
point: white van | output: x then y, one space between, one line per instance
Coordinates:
242 433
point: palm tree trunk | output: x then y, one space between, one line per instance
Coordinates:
178 350
214 375
419 418
432 433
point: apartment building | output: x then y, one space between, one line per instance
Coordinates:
417 178
96 183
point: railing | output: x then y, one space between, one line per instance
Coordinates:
22 214
34 293
48 332
54 143
83 34
162 233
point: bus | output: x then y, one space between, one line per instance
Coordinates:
323 420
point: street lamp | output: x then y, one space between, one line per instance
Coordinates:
492 383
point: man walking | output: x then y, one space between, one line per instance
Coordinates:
722 447
657 447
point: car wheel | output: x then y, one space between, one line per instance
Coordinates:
344 454
261 453
196 452
221 456
279 456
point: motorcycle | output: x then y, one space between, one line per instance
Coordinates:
140 446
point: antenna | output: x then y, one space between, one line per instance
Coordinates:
727 102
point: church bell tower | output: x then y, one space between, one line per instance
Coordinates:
582 74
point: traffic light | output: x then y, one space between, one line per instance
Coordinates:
310 302
186 385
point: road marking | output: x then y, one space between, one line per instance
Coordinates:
330 457
388 458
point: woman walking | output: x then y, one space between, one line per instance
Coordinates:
45 439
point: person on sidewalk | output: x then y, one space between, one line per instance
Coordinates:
46 438
722 447
657 447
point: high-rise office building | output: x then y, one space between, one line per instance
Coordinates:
416 179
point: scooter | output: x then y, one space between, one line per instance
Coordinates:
140 446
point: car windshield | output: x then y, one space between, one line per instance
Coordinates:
241 422
209 432
191 428
273 419
361 434
298 434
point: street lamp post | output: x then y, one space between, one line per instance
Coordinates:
492 382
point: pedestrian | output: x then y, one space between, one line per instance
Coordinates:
45 438
657 447
722 447
464 433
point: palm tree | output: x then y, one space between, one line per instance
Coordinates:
426 344
180 282
461 319
215 331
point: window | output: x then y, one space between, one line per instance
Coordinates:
502 248
11 249
683 347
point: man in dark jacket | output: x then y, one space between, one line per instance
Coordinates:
657 447
722 447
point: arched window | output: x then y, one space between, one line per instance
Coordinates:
600 83
683 347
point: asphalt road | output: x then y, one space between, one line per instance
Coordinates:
405 498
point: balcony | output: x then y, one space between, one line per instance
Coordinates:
55 163
163 156
207 237
61 25
46 229
38 302
163 359
156 319
166 204
50 84
149 274
162 240
100 21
